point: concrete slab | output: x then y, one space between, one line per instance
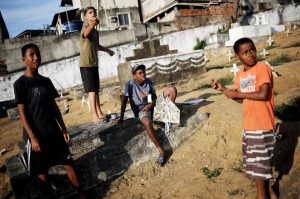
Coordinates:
102 151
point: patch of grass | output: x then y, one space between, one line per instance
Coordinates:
238 167
202 87
200 44
233 192
289 111
284 58
223 31
211 174
293 45
226 80
270 47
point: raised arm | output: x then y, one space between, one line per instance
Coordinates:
60 121
34 141
91 24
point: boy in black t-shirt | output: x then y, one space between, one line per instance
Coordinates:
43 125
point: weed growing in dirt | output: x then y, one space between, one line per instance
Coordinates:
289 111
226 80
202 87
238 167
211 174
284 58
199 44
233 192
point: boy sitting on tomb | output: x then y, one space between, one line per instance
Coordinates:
142 96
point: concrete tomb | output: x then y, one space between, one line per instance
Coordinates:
103 151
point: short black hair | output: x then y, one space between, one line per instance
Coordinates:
238 43
26 46
87 8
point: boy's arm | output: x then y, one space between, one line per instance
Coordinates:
102 48
34 141
90 26
262 94
218 86
123 107
60 121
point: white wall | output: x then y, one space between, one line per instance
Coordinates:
65 73
184 41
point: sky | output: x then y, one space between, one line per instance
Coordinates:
20 15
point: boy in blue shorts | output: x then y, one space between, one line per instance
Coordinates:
44 128
254 88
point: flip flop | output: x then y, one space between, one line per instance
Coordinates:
160 161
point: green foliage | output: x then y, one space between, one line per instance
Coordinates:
289 111
200 44
211 174
233 192
284 58
222 31
226 80
238 167
203 86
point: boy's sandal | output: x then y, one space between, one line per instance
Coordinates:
161 160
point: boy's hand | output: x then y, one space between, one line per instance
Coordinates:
35 145
218 86
94 21
148 107
66 136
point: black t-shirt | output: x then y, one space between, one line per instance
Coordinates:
37 95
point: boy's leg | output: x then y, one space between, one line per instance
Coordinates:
98 108
171 93
43 178
92 99
264 189
72 176
150 130
260 188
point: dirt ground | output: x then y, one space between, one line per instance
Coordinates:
217 145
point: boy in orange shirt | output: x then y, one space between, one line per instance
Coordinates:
254 88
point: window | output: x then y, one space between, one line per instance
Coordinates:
123 19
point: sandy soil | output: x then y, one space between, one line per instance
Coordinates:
216 145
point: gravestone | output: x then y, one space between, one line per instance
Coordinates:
103 151
287 31
229 55
264 53
234 69
270 41
295 27
124 74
